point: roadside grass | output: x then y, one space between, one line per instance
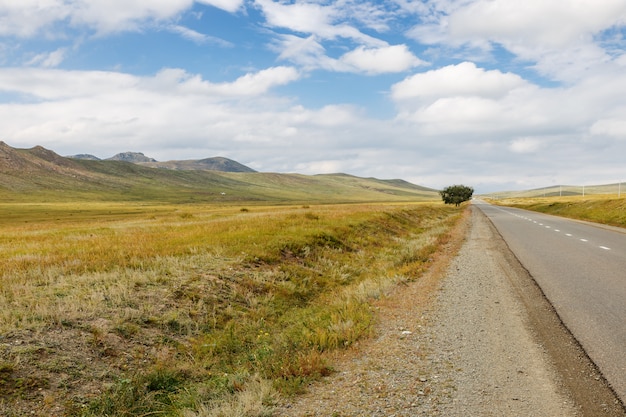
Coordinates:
606 209
132 309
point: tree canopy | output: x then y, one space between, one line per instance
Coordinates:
456 194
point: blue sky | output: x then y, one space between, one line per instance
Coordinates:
497 94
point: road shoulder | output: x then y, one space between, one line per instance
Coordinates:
579 376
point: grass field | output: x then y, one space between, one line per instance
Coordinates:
138 309
606 209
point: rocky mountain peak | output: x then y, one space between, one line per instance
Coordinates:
133 157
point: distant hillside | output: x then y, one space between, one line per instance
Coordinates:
38 168
84 156
134 157
562 190
212 164
38 174
217 163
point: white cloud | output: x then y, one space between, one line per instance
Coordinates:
387 59
306 52
114 110
197 37
537 23
324 18
299 17
464 79
612 127
373 15
50 59
50 84
228 5
257 83
460 114
313 18
474 105
328 116
560 36
322 167
122 15
58 85
311 54
27 18
525 145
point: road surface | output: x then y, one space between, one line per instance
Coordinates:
581 268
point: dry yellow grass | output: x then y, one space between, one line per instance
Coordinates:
133 309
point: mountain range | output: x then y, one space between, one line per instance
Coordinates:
217 163
39 174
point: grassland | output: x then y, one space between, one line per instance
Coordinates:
606 209
138 308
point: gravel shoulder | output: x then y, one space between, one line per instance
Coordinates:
473 337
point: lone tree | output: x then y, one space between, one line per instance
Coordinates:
456 194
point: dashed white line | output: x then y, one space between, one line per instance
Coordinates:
557 230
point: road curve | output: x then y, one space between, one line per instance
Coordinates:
581 268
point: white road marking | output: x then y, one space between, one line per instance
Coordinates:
556 230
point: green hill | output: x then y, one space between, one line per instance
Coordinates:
38 174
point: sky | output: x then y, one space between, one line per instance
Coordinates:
494 94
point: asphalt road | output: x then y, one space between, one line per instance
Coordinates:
581 268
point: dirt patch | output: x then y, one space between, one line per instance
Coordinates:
41 368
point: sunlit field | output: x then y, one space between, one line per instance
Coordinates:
197 310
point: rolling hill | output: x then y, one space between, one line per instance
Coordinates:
217 163
39 174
